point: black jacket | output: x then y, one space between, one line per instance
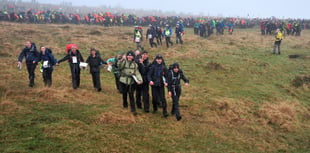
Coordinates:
174 79
31 54
70 55
95 63
158 74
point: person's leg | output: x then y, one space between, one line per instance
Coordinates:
31 72
45 77
279 48
163 100
154 99
132 99
124 93
50 81
138 96
93 75
145 96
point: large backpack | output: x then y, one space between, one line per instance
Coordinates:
69 46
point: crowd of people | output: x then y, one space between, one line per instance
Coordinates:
291 27
134 74
205 25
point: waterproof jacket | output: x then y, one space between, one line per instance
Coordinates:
48 56
70 57
31 54
114 61
127 70
178 31
174 79
279 36
167 32
158 74
150 33
94 63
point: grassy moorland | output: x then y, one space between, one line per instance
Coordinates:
241 97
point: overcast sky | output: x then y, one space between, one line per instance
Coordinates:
242 8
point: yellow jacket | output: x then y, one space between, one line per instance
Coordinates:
279 36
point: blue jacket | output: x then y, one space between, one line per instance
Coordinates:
48 56
31 54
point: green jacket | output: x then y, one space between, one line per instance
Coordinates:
127 69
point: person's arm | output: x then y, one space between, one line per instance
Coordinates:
81 57
21 56
183 77
103 62
149 75
87 60
64 58
53 59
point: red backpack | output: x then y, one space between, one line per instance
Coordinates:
69 46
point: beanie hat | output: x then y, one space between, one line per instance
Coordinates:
158 56
130 53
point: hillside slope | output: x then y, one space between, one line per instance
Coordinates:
241 97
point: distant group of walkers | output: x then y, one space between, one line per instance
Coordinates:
206 28
133 72
291 27
156 32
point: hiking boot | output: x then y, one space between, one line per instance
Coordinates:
135 113
179 117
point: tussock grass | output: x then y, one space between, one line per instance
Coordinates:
241 98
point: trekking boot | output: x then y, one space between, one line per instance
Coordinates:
179 117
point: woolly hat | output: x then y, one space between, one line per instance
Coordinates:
158 56
130 53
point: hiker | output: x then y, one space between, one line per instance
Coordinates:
157 79
112 62
230 26
137 59
129 77
74 58
32 57
175 75
138 37
167 34
143 89
95 62
150 34
179 32
48 61
158 35
277 42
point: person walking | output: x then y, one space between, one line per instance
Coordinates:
32 57
48 61
143 89
112 63
129 77
95 62
179 34
138 37
74 58
150 34
157 79
175 76
167 34
277 43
